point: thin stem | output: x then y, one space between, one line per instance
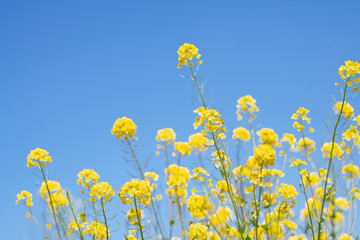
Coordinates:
73 213
51 201
307 204
106 225
330 159
139 219
143 178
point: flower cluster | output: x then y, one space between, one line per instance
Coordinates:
186 53
87 178
124 127
51 191
102 191
139 190
38 158
167 135
246 104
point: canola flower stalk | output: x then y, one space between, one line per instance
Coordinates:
219 155
320 221
51 200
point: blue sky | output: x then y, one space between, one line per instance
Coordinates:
69 69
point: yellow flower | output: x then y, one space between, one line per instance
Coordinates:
289 224
313 179
298 162
350 69
136 189
347 109
268 136
198 174
306 144
222 215
198 206
152 175
177 176
246 103
198 231
186 53
90 177
130 237
38 157
336 150
352 133
357 119
241 133
183 148
198 142
210 119
167 134
287 191
290 138
101 190
345 236
124 127
264 155
26 196
96 229
342 203
351 171
57 199
132 216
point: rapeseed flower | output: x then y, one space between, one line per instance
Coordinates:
198 142
351 171
183 148
336 150
287 191
306 144
38 158
198 206
198 231
241 134
139 190
167 135
246 103
264 155
97 230
268 136
124 127
186 53
87 178
101 190
347 109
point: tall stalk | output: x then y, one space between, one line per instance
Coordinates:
321 220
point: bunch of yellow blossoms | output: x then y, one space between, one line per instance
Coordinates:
97 230
139 190
241 134
102 191
56 199
124 127
210 119
87 178
186 53
167 135
246 103
38 158
177 179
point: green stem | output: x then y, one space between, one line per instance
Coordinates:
106 225
73 213
51 202
143 178
330 160
220 158
139 219
307 204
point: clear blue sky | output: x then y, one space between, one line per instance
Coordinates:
69 69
